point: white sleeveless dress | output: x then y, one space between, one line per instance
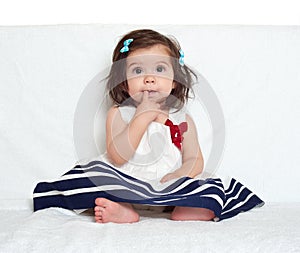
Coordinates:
156 155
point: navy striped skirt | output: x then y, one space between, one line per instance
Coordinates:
78 189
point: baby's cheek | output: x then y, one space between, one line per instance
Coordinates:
138 96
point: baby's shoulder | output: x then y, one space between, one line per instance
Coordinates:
113 110
123 112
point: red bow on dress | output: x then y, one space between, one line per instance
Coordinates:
176 132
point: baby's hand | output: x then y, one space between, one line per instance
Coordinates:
148 108
169 177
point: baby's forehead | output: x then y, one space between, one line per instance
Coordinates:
148 59
157 49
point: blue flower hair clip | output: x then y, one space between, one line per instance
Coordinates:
181 61
125 48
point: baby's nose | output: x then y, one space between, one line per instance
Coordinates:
149 79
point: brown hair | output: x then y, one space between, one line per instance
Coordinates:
116 80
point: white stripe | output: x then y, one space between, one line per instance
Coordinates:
204 187
86 190
216 197
168 200
235 196
83 175
234 185
66 193
240 203
106 174
190 181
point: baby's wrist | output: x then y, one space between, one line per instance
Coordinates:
146 116
143 118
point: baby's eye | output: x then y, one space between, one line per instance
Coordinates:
137 70
160 69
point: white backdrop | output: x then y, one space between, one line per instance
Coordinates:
246 12
254 70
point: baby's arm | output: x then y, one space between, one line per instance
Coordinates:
122 139
192 159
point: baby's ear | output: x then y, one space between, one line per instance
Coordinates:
174 85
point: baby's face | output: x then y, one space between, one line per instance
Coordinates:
150 69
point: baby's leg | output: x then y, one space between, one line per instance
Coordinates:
109 211
192 213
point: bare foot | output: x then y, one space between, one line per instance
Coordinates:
192 213
109 211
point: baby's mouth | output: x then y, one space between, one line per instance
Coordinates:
152 92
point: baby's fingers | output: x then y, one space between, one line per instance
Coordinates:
145 96
167 177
